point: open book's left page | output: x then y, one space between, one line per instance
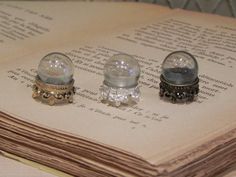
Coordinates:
29 27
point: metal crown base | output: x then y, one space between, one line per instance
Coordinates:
53 94
179 93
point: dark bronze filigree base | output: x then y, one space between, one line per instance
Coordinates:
178 93
53 94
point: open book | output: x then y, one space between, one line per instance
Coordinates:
89 138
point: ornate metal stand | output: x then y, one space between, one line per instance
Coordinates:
179 93
53 94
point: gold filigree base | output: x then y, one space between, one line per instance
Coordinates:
53 94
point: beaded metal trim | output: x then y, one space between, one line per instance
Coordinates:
53 94
179 93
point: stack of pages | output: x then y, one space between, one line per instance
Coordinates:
88 138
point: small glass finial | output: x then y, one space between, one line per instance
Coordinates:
179 78
54 82
121 74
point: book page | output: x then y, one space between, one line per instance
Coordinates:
153 129
29 27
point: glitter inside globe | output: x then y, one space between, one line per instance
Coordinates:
121 71
56 68
180 68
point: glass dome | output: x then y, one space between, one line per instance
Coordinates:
180 68
121 71
56 68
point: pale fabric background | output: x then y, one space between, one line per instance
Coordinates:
11 168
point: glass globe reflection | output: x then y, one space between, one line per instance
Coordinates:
56 68
180 68
121 71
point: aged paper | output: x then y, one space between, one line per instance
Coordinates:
153 129
29 27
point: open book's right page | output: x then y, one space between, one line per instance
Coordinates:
160 130
153 129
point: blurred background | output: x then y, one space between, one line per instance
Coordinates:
221 7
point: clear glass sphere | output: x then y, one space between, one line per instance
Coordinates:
56 68
122 71
180 68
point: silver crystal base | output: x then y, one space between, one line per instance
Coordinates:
118 96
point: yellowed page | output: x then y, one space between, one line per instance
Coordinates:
153 129
28 27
